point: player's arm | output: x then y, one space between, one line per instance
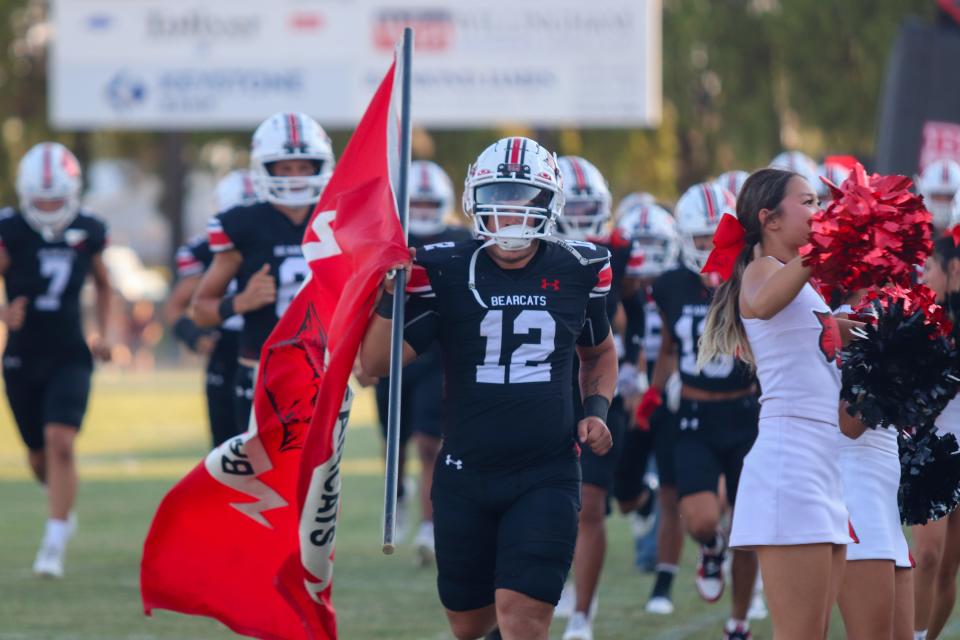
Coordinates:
598 375
104 297
14 312
175 315
208 297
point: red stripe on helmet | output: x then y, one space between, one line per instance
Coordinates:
47 166
946 171
293 128
516 143
711 207
425 178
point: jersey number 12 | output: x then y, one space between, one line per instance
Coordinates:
528 362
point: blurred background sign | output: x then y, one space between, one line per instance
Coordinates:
223 64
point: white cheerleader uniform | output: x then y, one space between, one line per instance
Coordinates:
870 468
790 489
949 419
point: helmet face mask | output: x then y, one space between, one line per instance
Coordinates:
513 193
48 186
285 137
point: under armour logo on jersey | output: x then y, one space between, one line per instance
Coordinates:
450 462
549 284
689 423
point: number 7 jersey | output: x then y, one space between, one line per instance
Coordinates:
507 338
50 274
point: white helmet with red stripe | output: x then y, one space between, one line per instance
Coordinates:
431 198
798 162
48 186
732 181
655 245
513 193
698 213
587 206
236 189
290 136
835 173
938 183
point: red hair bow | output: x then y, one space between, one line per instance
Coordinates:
728 242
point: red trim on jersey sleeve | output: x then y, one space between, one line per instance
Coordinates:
604 280
218 238
187 264
419 282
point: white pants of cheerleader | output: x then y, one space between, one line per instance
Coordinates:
871 479
790 488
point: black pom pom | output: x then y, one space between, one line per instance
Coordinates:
901 372
929 476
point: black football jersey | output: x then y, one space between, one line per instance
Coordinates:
619 248
507 340
263 235
193 258
684 301
50 275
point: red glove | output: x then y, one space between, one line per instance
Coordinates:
649 403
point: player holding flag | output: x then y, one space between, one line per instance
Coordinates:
508 310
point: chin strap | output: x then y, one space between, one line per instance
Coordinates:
472 272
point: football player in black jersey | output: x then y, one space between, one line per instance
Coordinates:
586 213
259 245
431 201
47 249
719 409
508 310
221 346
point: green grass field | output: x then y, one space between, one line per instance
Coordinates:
143 432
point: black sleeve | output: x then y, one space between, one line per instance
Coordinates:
596 327
421 322
636 313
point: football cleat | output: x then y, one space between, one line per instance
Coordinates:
660 605
578 628
710 581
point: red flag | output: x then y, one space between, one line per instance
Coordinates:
247 536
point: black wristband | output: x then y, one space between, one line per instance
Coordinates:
226 308
596 406
385 306
188 332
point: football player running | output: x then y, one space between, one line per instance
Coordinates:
431 202
291 161
221 346
586 213
508 309
717 419
48 247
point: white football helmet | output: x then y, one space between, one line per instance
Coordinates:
732 181
290 136
587 196
48 186
431 198
236 189
835 173
698 213
938 183
655 245
513 193
955 210
799 163
633 200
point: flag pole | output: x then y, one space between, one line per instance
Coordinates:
396 339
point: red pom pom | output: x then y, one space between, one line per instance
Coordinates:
917 298
874 233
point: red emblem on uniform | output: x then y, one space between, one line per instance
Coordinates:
549 284
829 336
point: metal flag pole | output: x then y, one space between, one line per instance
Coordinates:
396 338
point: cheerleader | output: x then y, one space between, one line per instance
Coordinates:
876 598
937 543
791 508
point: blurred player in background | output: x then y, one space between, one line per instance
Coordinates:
48 247
221 346
938 183
835 173
585 217
732 181
291 161
431 204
